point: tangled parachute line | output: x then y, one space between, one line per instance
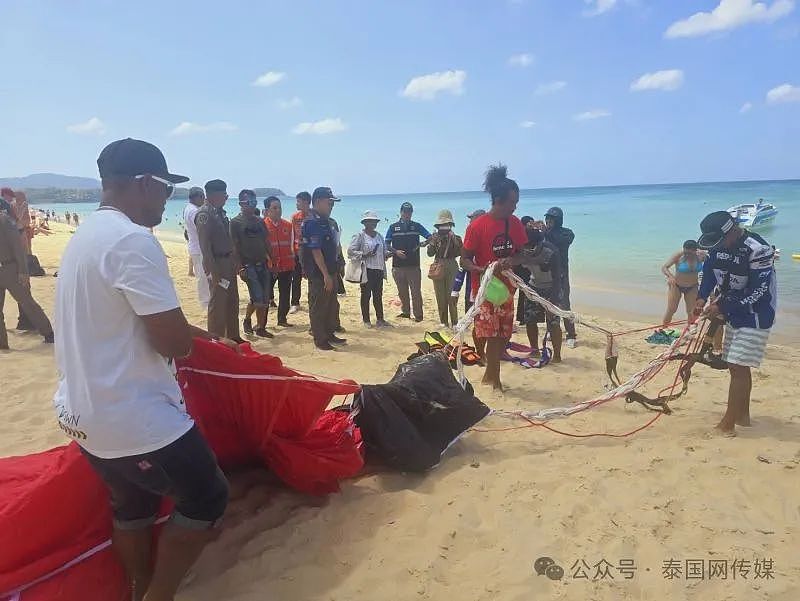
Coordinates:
617 390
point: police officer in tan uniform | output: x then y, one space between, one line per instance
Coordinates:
14 278
213 233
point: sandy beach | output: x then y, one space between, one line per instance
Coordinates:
472 528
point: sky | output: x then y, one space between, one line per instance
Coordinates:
412 96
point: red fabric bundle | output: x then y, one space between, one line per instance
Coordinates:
55 519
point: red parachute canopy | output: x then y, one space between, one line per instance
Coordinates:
55 521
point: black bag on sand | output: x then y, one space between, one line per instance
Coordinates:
34 269
409 422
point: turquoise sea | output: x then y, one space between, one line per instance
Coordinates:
623 233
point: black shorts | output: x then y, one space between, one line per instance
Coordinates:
535 313
185 470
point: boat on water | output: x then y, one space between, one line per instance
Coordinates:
753 215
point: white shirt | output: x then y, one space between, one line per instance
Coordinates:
189 211
116 395
368 249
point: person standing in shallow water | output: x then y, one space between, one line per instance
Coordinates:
684 282
497 236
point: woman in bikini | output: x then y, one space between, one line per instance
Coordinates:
683 283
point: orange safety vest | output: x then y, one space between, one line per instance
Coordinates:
297 226
280 242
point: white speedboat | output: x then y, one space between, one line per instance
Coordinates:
753 215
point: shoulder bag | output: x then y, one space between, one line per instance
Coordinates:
436 270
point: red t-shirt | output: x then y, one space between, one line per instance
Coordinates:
491 239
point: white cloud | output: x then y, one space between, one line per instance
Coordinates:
746 107
187 127
325 126
783 93
91 127
270 78
550 88
527 124
427 87
592 114
667 80
521 60
598 7
291 103
728 15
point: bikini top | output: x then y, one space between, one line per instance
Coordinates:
684 267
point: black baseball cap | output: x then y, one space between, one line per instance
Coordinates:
714 227
324 192
129 158
406 206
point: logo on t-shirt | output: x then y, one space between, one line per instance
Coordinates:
502 246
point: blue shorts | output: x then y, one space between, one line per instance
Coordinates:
259 283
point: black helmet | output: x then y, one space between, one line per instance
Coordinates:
557 214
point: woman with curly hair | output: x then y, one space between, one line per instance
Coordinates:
498 236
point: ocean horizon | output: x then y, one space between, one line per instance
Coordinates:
623 234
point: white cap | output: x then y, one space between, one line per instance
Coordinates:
370 216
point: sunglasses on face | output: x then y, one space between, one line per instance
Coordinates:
169 185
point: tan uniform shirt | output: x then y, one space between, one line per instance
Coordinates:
11 250
213 234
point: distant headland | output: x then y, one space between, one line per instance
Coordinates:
52 188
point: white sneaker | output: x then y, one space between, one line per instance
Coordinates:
571 343
443 326
294 309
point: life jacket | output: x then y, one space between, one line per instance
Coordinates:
280 241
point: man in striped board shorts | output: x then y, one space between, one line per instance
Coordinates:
741 264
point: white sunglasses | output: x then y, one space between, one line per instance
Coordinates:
170 186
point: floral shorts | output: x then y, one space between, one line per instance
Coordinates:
495 322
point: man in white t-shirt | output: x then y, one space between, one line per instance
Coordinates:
118 322
196 199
